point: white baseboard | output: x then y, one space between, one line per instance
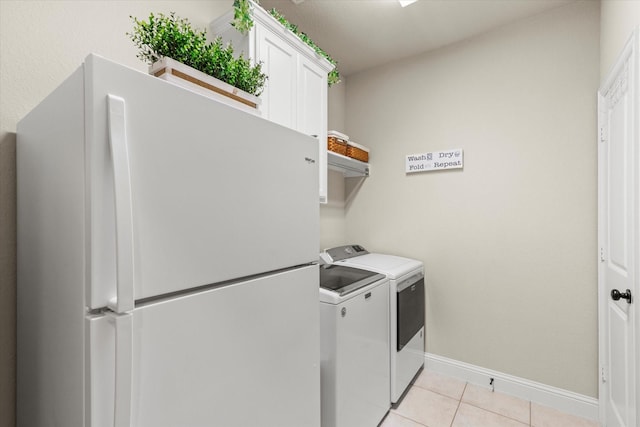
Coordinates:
553 397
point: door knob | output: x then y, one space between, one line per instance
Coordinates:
616 295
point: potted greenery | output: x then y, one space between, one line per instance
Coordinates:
178 53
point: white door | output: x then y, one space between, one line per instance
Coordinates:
619 236
246 354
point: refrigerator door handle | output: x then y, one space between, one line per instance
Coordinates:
124 300
123 370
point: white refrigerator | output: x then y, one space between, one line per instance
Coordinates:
167 248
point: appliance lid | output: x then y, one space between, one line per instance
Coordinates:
384 262
343 280
393 266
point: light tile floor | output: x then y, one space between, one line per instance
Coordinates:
435 400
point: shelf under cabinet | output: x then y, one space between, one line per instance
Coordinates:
349 167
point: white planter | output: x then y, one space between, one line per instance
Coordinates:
199 82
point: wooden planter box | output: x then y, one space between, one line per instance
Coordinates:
199 82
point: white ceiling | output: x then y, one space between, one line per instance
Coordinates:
362 34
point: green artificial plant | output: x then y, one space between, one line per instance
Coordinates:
173 37
242 19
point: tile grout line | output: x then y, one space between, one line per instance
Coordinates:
438 392
498 413
459 403
501 415
410 419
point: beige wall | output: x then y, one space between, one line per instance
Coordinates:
41 43
509 243
617 20
332 220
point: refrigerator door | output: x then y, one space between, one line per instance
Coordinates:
203 192
229 356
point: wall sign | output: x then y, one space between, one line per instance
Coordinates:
437 160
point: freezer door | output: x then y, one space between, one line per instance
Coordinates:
241 355
185 191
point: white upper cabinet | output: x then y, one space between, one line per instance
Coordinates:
280 63
295 94
312 98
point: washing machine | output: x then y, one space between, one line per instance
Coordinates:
354 343
406 308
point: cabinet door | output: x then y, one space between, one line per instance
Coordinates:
312 112
279 61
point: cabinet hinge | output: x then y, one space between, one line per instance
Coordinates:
603 138
601 254
603 375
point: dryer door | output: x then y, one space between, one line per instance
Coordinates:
410 306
